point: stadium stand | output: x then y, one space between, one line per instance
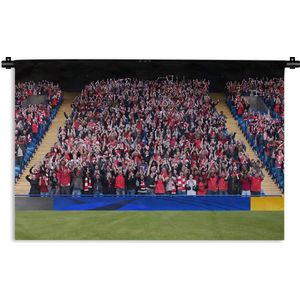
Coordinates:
268 185
265 132
33 120
146 137
271 91
22 186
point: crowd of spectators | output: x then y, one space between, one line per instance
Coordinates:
129 136
271 91
264 131
32 120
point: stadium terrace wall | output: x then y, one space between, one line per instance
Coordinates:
72 75
151 203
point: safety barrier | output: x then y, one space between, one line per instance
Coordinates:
152 203
149 202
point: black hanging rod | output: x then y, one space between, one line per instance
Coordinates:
292 63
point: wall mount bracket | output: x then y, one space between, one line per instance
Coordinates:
292 63
7 63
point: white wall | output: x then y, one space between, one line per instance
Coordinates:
147 270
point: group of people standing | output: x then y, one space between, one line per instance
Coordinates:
271 91
131 136
31 119
265 130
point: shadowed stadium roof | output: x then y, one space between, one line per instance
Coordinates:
72 75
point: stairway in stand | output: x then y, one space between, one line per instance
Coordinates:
22 186
268 185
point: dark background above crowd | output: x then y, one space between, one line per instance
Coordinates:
73 74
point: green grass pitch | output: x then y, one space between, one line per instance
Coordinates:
149 225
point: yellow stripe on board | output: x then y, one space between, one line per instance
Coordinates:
267 203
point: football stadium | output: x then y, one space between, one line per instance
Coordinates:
149 150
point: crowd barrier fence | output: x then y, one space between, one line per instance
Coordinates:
151 203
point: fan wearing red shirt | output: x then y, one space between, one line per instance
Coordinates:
222 185
64 178
212 184
35 129
201 191
120 184
246 185
240 109
43 184
159 185
54 101
256 181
